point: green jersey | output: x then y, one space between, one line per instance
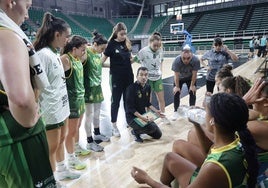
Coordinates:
75 80
232 160
92 69
263 157
92 78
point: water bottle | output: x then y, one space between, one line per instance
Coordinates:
182 111
197 115
194 113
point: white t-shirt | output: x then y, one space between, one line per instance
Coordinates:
152 61
53 99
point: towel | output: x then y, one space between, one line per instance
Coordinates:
40 79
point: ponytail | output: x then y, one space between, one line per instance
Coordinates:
45 34
249 146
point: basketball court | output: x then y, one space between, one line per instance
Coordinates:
112 167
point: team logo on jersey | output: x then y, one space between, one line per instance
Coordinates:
139 94
39 184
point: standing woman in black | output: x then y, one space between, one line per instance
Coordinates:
121 74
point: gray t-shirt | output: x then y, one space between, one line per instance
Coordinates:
216 60
185 71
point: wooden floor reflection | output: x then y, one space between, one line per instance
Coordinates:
112 167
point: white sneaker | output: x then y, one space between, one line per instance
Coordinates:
101 137
165 121
95 147
66 174
81 151
116 132
76 164
175 116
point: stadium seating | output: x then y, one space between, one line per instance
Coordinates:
156 21
219 21
130 22
36 17
209 22
76 29
102 25
259 18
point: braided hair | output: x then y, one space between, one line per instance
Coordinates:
238 85
225 71
230 114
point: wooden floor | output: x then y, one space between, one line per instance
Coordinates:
112 167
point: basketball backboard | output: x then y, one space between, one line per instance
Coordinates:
176 28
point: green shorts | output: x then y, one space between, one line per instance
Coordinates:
95 95
54 126
77 107
157 85
26 163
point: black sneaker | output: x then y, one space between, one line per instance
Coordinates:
137 136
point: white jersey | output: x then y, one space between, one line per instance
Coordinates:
53 99
152 61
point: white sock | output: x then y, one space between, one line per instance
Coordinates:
60 166
76 145
114 125
71 155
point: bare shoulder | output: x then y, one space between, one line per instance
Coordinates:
12 46
10 40
65 59
258 128
257 122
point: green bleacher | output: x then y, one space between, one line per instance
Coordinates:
102 25
218 21
156 21
130 22
140 27
259 18
37 16
76 29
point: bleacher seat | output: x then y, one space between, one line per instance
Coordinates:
102 25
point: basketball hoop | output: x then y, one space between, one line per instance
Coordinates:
174 32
